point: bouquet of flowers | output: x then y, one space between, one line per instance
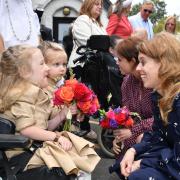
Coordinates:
117 118
75 92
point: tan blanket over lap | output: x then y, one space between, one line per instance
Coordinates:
81 157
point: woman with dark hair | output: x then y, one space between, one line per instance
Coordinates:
134 96
118 22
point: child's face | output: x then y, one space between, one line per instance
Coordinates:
39 70
57 65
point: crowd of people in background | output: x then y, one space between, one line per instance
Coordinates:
142 72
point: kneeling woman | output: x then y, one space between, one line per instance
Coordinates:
157 156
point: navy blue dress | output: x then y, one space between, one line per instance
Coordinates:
160 149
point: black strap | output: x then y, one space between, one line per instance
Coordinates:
35 145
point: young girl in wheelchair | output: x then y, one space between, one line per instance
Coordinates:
23 75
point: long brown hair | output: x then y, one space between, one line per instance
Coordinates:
164 48
128 48
86 8
12 85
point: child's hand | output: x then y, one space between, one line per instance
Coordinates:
65 143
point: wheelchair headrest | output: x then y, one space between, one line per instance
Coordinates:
6 126
99 42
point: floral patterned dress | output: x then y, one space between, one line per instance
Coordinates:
160 149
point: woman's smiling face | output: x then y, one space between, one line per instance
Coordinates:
149 69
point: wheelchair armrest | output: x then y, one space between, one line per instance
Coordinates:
6 126
8 141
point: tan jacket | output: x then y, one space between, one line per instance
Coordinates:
81 157
34 108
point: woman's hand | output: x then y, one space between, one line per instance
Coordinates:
116 147
136 165
122 134
127 162
65 143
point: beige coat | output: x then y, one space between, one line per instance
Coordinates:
81 157
35 108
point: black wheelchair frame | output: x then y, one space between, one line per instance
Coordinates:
8 140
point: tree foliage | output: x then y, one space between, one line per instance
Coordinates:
135 9
159 13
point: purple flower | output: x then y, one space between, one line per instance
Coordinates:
117 110
113 124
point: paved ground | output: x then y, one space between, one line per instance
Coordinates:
101 170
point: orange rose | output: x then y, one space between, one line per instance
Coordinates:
84 106
65 94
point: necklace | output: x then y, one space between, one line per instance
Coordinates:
11 24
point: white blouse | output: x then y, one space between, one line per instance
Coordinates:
83 28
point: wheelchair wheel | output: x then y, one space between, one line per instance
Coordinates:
105 140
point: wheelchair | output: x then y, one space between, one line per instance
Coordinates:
101 74
10 168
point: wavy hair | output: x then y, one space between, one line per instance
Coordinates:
46 45
12 85
86 8
164 48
